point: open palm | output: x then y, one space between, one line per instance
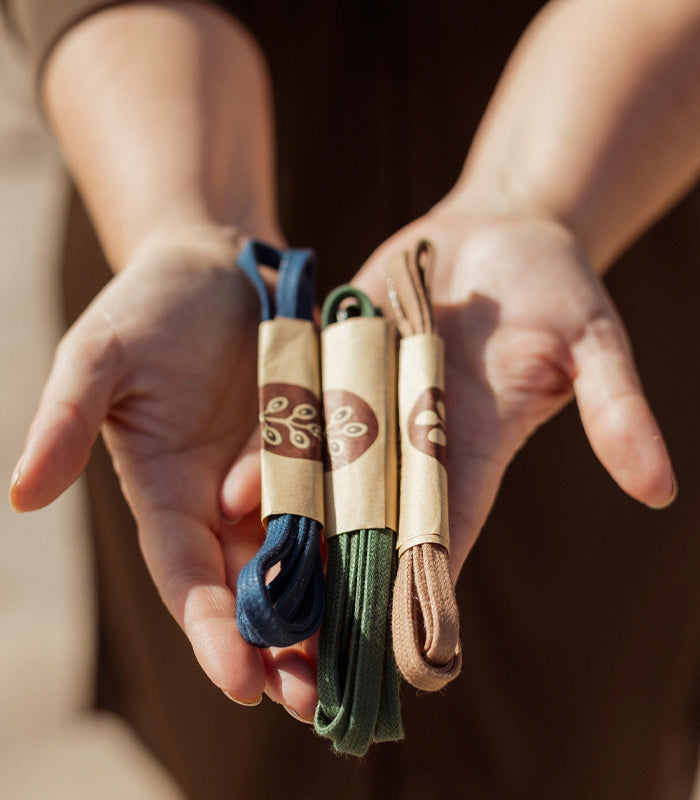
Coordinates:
527 325
164 362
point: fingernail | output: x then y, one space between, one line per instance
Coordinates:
230 520
14 482
671 497
254 702
299 718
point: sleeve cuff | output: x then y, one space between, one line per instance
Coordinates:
39 24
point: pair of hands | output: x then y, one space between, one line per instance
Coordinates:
164 363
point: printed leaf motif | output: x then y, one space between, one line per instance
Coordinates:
276 404
339 416
437 436
272 436
290 421
426 424
351 428
427 417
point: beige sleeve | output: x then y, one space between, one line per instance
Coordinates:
39 24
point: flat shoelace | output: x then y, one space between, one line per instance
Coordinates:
425 616
358 684
290 607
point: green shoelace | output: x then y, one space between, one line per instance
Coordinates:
358 682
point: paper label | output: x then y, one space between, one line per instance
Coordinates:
290 419
359 398
423 485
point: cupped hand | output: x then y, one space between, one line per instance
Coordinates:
163 361
527 325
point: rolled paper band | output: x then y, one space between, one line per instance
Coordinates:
359 375
290 419
423 514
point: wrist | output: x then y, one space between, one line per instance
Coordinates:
218 243
198 233
495 207
497 194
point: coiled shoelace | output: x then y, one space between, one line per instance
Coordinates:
291 606
425 617
358 684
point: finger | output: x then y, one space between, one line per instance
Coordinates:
187 565
75 402
291 671
291 680
616 416
240 492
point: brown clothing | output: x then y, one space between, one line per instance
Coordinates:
580 608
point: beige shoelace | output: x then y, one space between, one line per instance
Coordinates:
425 617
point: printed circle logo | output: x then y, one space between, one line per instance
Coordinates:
290 421
426 424
351 428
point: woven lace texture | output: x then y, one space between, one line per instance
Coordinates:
425 617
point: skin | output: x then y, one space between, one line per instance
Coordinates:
568 167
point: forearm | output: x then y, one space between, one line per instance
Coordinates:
595 122
164 117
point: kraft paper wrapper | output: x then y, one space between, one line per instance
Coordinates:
359 356
288 353
423 488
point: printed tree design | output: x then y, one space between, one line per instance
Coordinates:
290 421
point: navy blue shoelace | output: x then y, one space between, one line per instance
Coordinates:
290 607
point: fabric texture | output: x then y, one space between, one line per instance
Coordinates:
358 687
425 619
290 608
39 24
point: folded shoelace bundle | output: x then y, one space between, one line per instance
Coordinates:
358 684
425 617
290 607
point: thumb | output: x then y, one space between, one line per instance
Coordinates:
616 415
75 402
240 493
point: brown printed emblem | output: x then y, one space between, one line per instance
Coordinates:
426 424
290 421
351 428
